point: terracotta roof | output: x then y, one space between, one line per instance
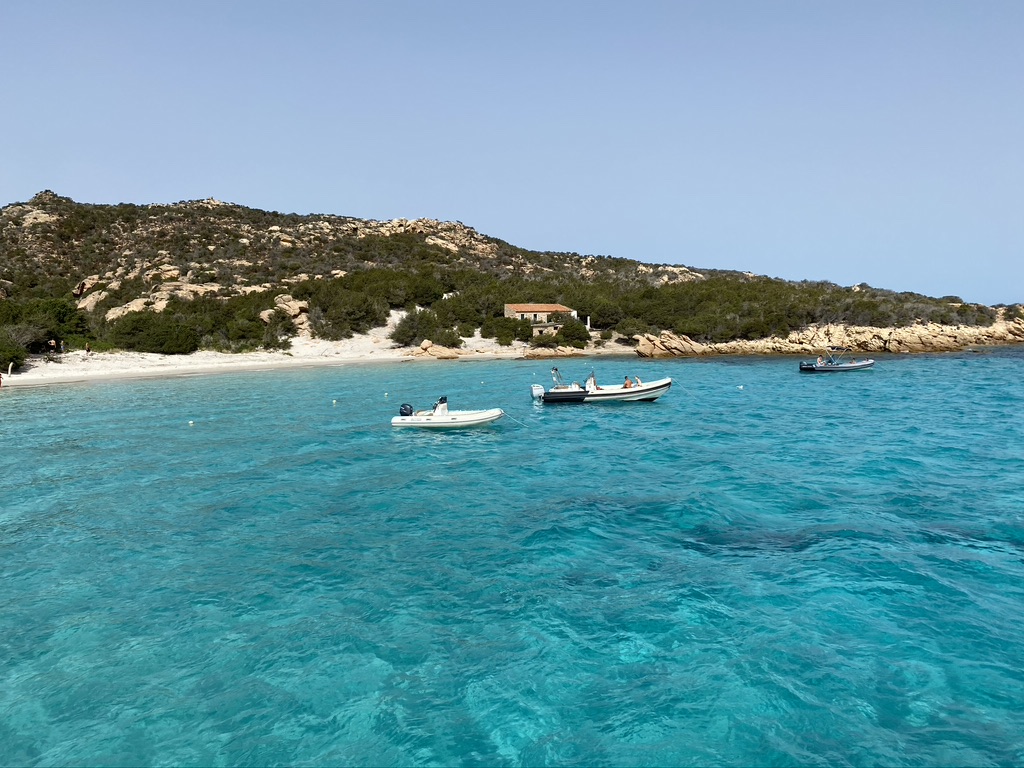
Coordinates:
537 308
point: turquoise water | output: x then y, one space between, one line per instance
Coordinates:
762 568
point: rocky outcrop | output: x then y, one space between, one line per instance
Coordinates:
85 285
296 310
593 268
543 353
427 348
669 345
928 337
155 302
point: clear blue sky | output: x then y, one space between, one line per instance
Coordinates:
850 141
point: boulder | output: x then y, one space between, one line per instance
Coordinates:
296 310
543 353
442 353
85 285
292 307
152 304
428 348
89 303
668 344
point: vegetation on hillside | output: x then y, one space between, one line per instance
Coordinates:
450 280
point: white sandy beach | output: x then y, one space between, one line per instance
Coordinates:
78 366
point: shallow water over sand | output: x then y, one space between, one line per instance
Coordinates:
761 568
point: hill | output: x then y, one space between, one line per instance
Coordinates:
207 274
54 243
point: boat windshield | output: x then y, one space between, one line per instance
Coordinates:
556 376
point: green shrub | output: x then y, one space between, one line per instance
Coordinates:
418 325
506 330
544 340
573 333
154 332
33 322
277 334
10 352
632 326
337 312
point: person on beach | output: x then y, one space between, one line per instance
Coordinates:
88 348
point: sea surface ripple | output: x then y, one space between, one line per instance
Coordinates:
761 568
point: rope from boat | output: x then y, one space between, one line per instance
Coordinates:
517 421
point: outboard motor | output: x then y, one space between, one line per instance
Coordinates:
405 410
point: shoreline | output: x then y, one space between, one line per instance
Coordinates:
115 366
79 367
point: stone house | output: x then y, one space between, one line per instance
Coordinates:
539 315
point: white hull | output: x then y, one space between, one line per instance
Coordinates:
449 420
647 391
859 365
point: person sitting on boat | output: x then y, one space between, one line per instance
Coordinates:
627 383
441 406
821 360
638 382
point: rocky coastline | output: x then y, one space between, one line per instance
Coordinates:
923 337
